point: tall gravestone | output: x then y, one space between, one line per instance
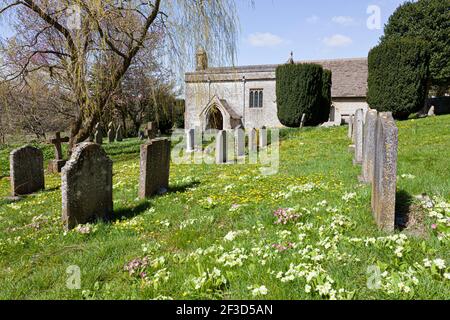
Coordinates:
221 147
26 170
239 138
385 172
190 140
263 137
369 146
119 134
358 134
98 135
252 140
87 186
111 135
154 167
351 148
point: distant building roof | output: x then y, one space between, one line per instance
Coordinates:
349 75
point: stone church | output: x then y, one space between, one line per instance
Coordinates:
229 97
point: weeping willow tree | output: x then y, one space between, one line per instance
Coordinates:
85 47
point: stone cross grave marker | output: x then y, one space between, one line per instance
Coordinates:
385 172
86 186
55 165
369 146
358 129
154 168
26 170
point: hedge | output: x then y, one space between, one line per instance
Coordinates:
300 89
398 76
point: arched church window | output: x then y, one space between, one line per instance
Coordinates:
256 98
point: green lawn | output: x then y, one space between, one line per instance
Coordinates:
213 236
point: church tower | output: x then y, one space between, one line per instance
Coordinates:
202 59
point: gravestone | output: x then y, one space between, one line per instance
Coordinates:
351 148
385 172
151 130
86 186
302 122
369 146
26 170
263 137
358 134
350 127
55 165
190 140
198 138
221 147
119 135
141 135
431 112
252 140
239 137
111 136
98 135
154 168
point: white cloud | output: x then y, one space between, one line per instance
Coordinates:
265 40
337 40
344 20
312 19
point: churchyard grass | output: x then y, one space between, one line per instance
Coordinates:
215 236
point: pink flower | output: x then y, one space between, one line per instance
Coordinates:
434 226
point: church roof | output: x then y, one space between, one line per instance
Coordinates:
349 75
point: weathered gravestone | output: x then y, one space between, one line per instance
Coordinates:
369 146
350 127
335 116
151 130
385 172
119 134
252 140
221 147
55 165
111 135
26 170
86 186
155 166
239 137
431 112
351 148
98 135
302 121
190 140
358 134
262 138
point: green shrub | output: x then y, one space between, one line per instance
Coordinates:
299 90
325 107
398 76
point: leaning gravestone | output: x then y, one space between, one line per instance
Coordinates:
86 186
358 134
55 165
369 146
155 166
302 121
385 172
27 170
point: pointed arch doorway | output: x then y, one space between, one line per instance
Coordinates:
214 119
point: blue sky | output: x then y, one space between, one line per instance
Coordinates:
313 29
